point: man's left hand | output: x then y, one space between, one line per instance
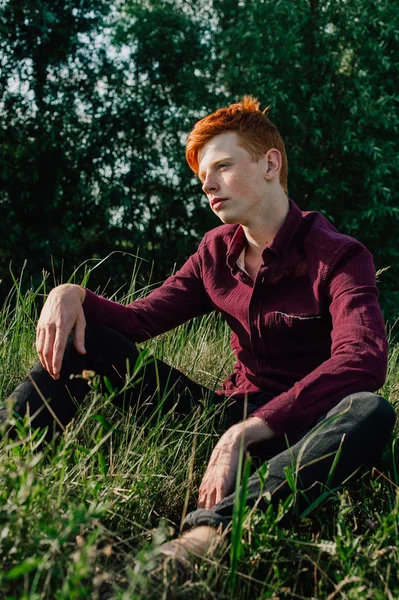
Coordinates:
221 473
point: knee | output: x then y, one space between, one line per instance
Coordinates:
92 333
99 340
374 409
95 333
99 336
202 516
106 345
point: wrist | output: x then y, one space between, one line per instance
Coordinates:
82 292
70 288
250 431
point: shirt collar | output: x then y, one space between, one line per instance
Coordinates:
285 235
280 243
236 246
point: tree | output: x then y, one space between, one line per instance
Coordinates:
91 131
56 131
168 48
330 71
97 102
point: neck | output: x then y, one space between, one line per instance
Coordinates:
262 231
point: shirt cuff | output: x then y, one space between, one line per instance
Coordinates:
93 306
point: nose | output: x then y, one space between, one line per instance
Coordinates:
209 184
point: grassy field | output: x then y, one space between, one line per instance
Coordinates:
80 516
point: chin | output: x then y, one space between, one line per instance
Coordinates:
228 219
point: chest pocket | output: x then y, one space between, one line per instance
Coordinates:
306 330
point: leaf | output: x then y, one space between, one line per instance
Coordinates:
103 422
290 479
26 566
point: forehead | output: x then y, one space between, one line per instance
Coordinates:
219 147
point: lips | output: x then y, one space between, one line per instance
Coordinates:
217 202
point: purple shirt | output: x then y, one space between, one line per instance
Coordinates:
308 330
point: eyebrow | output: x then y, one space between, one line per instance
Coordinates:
215 164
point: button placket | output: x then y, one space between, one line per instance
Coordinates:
255 310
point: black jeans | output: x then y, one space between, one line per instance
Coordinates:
354 431
111 355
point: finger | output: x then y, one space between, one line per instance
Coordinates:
210 501
202 494
205 495
47 352
59 346
201 498
79 334
218 497
39 344
58 354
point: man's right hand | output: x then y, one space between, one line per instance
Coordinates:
61 312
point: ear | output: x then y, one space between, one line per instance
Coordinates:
272 163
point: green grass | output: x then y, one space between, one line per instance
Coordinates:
77 515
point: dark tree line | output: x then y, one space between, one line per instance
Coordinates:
95 104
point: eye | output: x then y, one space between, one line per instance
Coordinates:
222 166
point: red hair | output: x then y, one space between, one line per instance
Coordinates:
257 134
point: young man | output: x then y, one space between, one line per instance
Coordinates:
307 330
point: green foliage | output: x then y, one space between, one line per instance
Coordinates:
84 165
79 515
329 70
53 127
96 101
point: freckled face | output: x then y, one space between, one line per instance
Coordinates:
232 180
